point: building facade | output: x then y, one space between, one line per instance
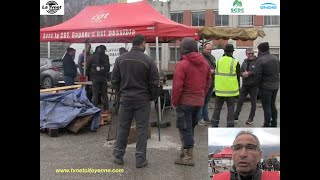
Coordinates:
206 13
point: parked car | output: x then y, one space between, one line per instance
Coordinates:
51 72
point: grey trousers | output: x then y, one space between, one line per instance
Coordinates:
100 88
140 111
244 91
219 101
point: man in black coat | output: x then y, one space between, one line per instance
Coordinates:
133 76
98 68
269 71
69 67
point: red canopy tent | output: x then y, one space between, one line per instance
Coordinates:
225 153
118 22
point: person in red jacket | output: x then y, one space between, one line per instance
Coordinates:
191 82
246 154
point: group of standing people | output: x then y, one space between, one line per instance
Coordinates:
271 164
195 77
259 74
97 69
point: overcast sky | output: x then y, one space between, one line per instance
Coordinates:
225 136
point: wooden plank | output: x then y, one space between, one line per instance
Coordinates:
133 134
106 118
84 82
60 88
78 123
112 127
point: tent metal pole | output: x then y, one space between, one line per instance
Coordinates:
175 52
49 49
159 103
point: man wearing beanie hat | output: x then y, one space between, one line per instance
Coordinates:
191 82
98 67
226 80
269 71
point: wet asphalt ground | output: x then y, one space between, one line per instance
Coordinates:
92 150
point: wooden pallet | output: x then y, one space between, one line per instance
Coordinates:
78 123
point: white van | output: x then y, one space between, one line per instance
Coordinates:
112 50
238 54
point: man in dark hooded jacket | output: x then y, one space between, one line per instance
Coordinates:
98 68
191 82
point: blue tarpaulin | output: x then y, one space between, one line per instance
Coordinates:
57 110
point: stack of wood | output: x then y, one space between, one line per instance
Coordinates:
133 134
78 123
105 118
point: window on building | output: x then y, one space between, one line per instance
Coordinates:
271 20
221 20
153 53
173 56
245 20
177 17
197 19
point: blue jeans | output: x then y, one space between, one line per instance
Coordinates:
268 100
203 111
186 122
68 80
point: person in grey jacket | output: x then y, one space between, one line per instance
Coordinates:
133 75
203 112
269 71
250 85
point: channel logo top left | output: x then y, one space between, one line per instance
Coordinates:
51 7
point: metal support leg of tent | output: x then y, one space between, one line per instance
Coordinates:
48 49
175 53
159 103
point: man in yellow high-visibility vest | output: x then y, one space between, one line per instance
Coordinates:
227 78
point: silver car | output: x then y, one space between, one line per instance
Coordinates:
51 72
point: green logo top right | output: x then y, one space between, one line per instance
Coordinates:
237 3
237 7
